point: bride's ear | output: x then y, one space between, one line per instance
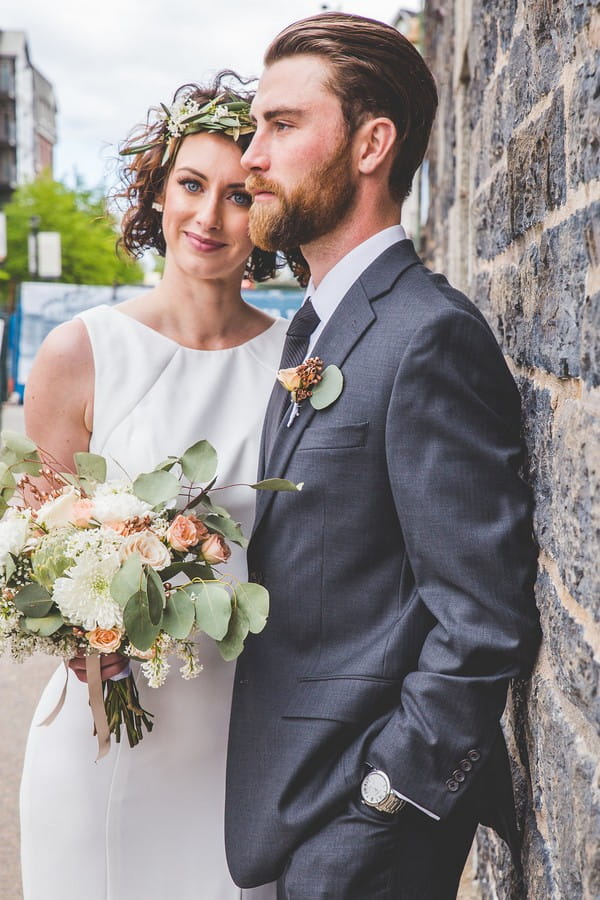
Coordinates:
375 144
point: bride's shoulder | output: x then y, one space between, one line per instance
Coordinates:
67 345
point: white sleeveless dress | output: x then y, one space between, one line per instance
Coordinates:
147 822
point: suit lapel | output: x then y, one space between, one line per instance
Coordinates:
350 320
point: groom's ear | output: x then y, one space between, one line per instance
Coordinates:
375 142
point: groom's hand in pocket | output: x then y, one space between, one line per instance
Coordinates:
111 664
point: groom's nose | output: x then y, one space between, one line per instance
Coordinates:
255 157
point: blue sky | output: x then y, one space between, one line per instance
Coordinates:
109 61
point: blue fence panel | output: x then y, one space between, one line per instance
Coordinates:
41 306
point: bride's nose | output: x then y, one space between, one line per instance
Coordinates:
208 212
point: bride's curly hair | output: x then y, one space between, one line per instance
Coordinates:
144 176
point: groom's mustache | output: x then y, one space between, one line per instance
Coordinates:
256 183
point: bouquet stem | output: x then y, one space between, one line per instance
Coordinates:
122 704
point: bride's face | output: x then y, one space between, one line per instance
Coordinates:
205 209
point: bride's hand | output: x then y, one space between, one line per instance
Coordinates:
110 665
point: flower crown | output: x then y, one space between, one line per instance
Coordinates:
231 117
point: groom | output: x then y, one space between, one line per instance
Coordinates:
365 743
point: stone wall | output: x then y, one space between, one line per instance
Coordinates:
514 219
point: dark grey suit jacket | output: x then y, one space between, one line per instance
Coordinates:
400 577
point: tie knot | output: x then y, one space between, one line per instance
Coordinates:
304 322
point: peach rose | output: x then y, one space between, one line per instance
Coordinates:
289 378
185 531
151 549
82 513
117 525
215 550
107 640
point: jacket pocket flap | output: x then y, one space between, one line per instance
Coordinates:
338 437
346 698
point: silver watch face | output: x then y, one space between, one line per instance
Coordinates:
375 787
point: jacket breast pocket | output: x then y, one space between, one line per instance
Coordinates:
335 437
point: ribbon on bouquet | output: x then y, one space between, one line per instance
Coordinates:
96 700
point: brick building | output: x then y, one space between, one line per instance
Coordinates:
514 219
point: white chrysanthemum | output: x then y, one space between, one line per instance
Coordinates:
116 502
14 531
83 593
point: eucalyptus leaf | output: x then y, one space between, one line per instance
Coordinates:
253 600
191 569
142 632
127 580
199 462
179 615
29 466
156 596
328 389
227 528
19 443
43 625
7 479
167 463
156 488
233 643
213 607
276 484
34 601
90 466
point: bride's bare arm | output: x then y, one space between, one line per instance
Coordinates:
59 406
59 395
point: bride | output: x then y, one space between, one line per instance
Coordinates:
137 382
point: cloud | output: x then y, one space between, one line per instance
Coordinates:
109 62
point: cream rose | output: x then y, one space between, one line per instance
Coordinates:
58 511
215 550
152 551
289 378
83 511
107 640
185 531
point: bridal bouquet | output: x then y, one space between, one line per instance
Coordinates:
90 566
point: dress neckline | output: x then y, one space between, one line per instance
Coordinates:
175 343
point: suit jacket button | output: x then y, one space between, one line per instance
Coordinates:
458 775
255 577
466 765
474 755
452 785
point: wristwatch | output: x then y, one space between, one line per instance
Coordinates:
376 791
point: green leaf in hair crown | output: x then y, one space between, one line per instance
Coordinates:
231 117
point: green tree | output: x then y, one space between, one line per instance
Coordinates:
87 230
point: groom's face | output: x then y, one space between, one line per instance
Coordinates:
300 159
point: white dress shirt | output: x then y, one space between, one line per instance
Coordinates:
338 281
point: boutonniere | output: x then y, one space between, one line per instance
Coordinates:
309 381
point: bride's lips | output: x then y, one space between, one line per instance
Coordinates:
204 244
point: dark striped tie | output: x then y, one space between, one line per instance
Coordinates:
294 352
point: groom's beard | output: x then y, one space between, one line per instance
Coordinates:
313 208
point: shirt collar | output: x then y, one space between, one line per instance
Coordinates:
342 276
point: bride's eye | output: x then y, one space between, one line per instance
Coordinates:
241 198
191 184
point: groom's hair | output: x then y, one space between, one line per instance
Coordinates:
375 71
